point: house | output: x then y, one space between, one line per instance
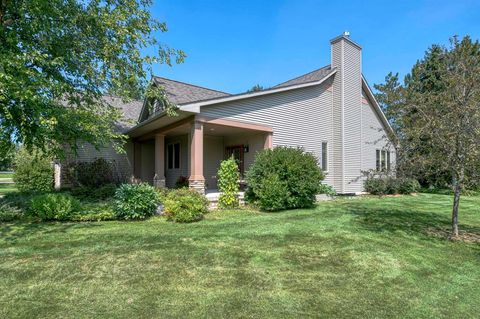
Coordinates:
330 112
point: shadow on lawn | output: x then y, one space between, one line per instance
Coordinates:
13 231
407 220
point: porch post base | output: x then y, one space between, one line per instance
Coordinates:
159 182
197 185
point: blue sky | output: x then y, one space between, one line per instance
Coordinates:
233 45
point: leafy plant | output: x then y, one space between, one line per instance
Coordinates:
9 213
135 201
185 205
289 177
327 189
182 182
33 171
228 176
92 174
391 185
89 193
54 206
95 212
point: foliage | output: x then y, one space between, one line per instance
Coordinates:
272 193
391 185
182 182
9 213
256 88
90 193
33 171
440 119
7 155
135 201
53 206
95 212
90 174
228 176
185 205
284 178
20 200
56 53
327 189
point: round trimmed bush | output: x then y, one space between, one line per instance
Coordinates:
54 206
33 172
135 201
408 186
284 178
185 205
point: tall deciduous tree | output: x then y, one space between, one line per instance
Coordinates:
58 57
441 119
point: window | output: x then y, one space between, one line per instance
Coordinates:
173 156
388 161
383 160
379 168
325 156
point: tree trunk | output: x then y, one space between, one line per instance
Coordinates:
457 188
456 203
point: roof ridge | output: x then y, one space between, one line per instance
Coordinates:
198 86
316 70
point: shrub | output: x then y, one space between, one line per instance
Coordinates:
391 185
228 176
20 200
9 213
135 201
33 171
185 205
182 182
293 175
88 193
328 190
408 186
93 174
272 193
95 212
54 206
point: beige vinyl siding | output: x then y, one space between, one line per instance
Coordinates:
299 118
352 136
337 116
172 175
123 162
373 138
213 153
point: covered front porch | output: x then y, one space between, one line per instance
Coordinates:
190 150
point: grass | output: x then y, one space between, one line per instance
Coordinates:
350 258
7 188
6 175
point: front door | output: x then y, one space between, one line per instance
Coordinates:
237 152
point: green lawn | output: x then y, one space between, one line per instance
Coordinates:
6 175
351 258
7 188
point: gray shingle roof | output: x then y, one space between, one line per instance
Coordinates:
130 110
313 76
183 93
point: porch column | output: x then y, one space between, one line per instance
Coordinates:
159 178
268 141
196 180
